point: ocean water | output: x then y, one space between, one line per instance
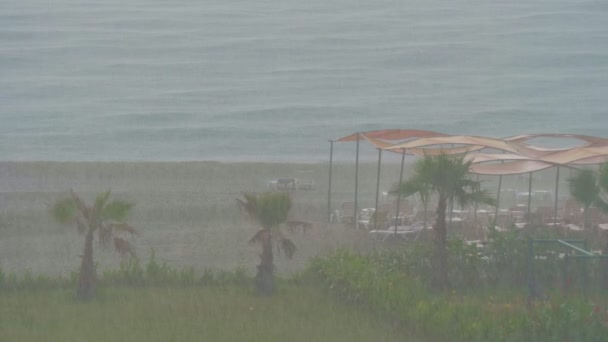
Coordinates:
275 79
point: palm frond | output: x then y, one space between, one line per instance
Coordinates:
100 200
273 208
583 187
480 196
80 205
116 210
105 235
64 211
248 205
123 247
259 236
446 176
409 188
123 227
269 209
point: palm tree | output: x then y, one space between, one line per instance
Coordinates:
446 177
104 217
269 210
589 188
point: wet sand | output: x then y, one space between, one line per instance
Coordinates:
185 211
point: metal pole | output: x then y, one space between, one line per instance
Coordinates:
399 194
556 192
497 202
529 197
476 206
357 183
377 189
331 159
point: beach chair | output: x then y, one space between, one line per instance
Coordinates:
299 225
308 184
378 219
545 215
347 212
289 184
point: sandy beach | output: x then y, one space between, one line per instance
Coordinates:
185 211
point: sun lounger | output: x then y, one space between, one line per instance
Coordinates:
404 232
347 213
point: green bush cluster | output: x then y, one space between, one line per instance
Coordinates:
29 281
132 273
501 261
384 283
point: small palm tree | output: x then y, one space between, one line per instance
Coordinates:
104 217
269 210
446 177
589 188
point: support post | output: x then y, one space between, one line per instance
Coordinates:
399 194
529 198
377 189
496 210
475 206
356 213
556 192
331 157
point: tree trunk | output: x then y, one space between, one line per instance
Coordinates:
264 279
440 256
87 279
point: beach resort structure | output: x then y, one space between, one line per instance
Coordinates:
514 155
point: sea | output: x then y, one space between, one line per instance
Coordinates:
275 80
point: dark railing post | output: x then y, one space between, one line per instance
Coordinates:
399 193
496 210
331 157
529 198
377 189
556 192
356 209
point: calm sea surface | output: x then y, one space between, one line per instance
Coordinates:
275 79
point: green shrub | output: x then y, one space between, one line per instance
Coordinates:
382 282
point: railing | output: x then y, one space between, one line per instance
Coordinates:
572 245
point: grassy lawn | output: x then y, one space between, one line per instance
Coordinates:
187 314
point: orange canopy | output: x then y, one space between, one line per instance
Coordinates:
518 156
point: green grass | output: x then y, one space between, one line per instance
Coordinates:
187 314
